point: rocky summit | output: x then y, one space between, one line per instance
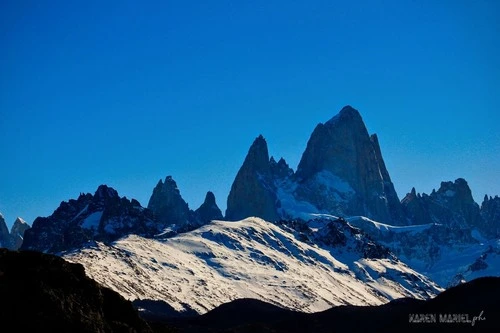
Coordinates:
167 203
12 240
209 210
17 233
171 211
357 181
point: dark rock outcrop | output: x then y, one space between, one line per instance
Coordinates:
42 292
280 169
17 233
14 239
343 158
490 212
4 233
103 216
209 210
172 212
253 192
167 204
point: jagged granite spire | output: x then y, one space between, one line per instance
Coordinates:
252 191
209 210
342 151
17 232
167 204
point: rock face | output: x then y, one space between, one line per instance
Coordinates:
17 233
103 216
172 212
209 210
343 158
451 205
490 212
253 190
4 233
167 204
14 239
42 292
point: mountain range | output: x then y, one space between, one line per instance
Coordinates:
332 232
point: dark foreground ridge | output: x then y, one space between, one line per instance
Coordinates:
470 307
44 293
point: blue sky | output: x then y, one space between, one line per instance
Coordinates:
128 92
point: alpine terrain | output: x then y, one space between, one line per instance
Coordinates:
332 232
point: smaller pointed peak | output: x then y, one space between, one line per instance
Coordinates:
272 160
19 220
485 198
210 198
413 191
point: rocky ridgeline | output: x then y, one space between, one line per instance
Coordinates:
452 205
105 217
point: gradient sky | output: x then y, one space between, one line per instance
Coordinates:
125 93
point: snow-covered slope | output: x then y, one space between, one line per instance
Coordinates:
253 258
446 255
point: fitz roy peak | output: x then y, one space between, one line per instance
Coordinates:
341 172
343 150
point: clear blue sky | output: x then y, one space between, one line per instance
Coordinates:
128 92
